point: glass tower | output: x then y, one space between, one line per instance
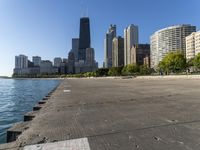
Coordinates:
84 37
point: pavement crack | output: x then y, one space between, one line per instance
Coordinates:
146 128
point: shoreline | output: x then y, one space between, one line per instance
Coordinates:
11 132
34 78
186 76
144 77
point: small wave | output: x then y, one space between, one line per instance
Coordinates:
18 97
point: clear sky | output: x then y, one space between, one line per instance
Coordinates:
46 27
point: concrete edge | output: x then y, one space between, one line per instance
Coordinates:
16 130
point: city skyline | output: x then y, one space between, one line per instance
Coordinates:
46 28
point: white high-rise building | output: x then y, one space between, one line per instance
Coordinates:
197 42
21 62
130 39
110 35
36 60
168 40
192 45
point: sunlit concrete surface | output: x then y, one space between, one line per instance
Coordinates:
120 114
76 144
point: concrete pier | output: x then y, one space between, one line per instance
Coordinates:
29 116
116 114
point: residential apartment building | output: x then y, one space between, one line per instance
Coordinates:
192 45
197 42
168 40
21 62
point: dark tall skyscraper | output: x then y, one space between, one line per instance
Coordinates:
84 37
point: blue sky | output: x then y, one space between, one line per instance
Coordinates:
46 27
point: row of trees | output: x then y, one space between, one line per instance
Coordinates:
128 70
175 62
131 69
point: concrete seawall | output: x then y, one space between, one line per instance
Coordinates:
16 130
114 114
170 77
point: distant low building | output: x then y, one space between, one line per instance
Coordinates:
47 67
63 68
71 63
147 61
57 62
30 64
81 67
36 61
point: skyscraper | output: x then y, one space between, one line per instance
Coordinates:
75 47
84 37
130 39
82 57
110 35
118 52
168 40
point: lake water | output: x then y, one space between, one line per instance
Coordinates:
18 97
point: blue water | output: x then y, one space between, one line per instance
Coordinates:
18 97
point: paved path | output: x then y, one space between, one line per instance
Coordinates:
120 114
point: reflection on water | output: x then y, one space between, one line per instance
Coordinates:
18 97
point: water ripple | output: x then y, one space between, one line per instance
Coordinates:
18 97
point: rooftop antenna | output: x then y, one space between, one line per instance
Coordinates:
84 8
87 14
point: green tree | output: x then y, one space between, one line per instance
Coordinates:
190 62
145 70
115 71
196 61
90 74
102 72
130 69
173 62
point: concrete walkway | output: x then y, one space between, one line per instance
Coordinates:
117 114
